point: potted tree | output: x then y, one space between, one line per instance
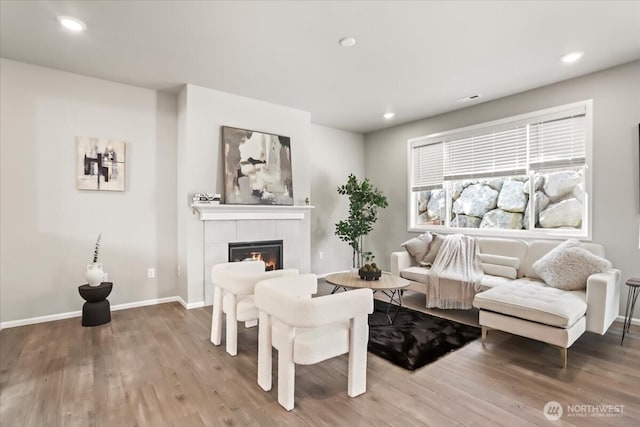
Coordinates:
364 202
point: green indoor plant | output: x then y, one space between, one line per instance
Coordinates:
364 202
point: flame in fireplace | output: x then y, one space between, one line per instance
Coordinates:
269 264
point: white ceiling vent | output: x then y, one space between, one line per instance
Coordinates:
468 98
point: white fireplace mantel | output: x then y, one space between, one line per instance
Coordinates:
209 212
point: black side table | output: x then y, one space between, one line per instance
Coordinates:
96 310
632 297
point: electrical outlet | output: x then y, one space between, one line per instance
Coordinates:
151 273
179 271
321 255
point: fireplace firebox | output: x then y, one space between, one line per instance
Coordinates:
269 251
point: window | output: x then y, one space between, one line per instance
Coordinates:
527 174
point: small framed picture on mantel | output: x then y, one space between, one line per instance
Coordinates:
257 168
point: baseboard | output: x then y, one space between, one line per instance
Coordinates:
39 319
117 307
634 320
144 303
190 305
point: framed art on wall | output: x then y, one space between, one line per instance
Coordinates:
257 168
101 164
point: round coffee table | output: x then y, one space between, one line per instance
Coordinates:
388 284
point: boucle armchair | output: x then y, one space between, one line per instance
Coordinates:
308 330
233 285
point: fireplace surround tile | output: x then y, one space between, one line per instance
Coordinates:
225 231
256 230
291 224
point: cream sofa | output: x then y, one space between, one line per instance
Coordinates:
525 305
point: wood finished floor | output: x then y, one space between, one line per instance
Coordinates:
154 366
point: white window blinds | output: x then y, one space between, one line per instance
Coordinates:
427 166
494 152
553 138
557 142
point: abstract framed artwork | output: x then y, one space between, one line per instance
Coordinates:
257 168
101 164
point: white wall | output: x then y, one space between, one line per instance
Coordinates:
181 198
200 163
335 155
616 101
47 226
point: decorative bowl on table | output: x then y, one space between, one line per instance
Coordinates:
369 272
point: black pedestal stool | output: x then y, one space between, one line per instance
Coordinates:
96 310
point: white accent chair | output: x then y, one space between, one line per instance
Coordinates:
308 330
233 284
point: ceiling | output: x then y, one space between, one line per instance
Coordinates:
413 58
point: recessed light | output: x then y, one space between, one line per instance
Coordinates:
389 115
72 24
572 57
347 41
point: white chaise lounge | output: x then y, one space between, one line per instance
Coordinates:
518 301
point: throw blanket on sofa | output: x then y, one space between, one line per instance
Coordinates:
455 274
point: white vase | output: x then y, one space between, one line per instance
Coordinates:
95 274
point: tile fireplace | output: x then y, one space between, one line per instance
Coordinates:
229 224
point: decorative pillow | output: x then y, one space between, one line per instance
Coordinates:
433 250
500 270
507 261
568 266
418 246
